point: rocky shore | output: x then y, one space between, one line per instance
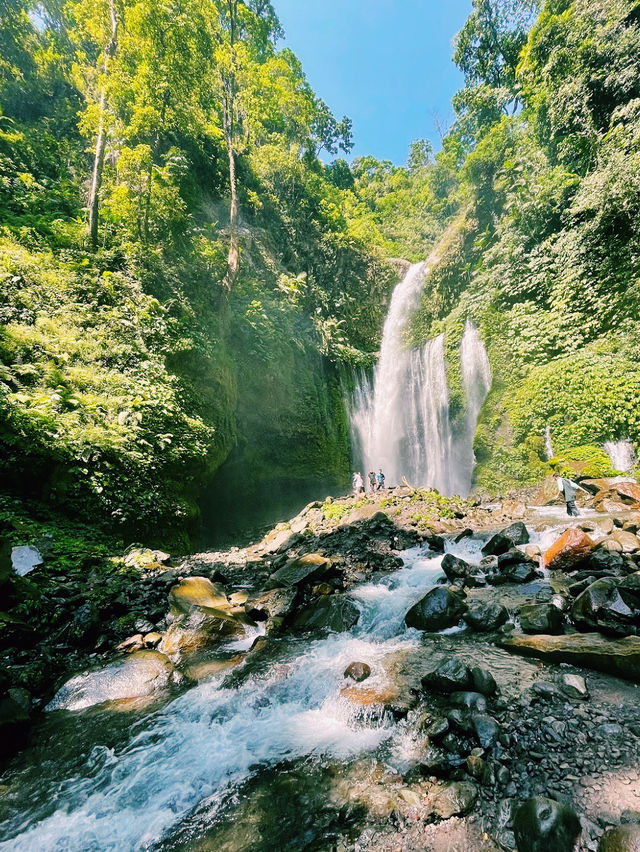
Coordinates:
549 756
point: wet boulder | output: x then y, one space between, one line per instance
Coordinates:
511 536
486 729
456 568
439 608
450 676
522 571
568 551
541 618
602 607
272 606
629 542
469 700
335 613
142 674
544 825
357 671
203 627
483 681
486 617
305 568
454 799
621 838
199 592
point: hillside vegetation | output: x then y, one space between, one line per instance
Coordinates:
540 175
186 282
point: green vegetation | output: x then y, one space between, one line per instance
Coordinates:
185 283
543 202
181 275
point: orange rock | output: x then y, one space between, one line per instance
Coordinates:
572 546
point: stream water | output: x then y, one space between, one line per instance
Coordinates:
101 779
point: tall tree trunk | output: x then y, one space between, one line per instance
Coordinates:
101 139
233 258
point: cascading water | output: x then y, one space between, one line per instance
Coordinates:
400 421
622 454
548 443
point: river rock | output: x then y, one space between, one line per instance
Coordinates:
602 607
197 591
469 700
456 568
574 686
141 674
438 609
274 603
357 671
630 542
486 729
569 550
486 617
544 825
302 569
620 657
541 618
450 676
522 571
144 558
507 538
202 628
454 799
483 681
334 613
621 838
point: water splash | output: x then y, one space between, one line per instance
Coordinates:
622 454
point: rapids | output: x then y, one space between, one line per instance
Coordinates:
89 783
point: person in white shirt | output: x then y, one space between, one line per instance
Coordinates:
568 488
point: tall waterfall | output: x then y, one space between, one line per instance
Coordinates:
400 421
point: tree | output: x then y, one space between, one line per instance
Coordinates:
108 53
247 33
487 51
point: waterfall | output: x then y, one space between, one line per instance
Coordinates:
476 381
548 443
400 419
622 454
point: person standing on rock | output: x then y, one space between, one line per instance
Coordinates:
568 488
358 482
380 479
372 481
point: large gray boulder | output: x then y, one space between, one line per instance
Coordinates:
452 675
507 538
438 609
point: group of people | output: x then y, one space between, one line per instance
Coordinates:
375 481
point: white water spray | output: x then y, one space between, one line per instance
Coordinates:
622 454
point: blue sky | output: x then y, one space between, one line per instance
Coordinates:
385 63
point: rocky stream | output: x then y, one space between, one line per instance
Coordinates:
356 681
